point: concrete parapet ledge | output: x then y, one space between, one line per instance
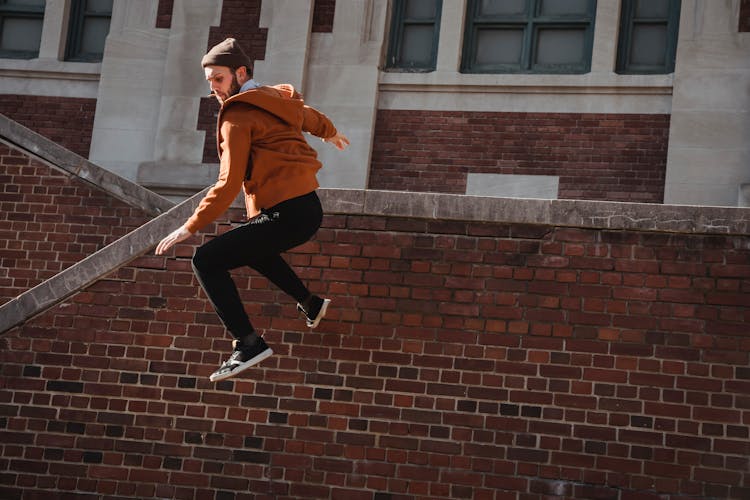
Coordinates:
565 213
99 264
19 137
604 215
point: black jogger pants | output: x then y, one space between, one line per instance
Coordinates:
258 244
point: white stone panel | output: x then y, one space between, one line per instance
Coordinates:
132 72
452 19
705 89
709 142
513 186
288 23
177 138
54 29
706 175
744 196
343 83
49 78
525 100
715 130
606 31
151 79
694 193
113 148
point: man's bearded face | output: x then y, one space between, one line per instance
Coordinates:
223 82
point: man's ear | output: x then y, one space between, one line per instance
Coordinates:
241 74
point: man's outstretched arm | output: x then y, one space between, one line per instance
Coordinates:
339 141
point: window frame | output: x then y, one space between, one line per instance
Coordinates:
530 21
77 19
21 11
625 39
398 22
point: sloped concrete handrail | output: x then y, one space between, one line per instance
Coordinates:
99 264
19 137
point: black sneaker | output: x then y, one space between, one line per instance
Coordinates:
241 359
318 308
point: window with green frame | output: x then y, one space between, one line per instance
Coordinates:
528 36
88 30
415 28
648 36
21 28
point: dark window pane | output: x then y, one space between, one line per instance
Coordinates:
528 36
648 36
414 35
95 31
652 8
564 7
21 28
101 6
649 44
88 29
420 9
21 34
501 7
499 47
560 46
416 45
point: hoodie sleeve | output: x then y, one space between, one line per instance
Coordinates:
235 151
316 123
313 121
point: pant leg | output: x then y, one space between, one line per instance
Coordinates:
257 244
223 295
278 272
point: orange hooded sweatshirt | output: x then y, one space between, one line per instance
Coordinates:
262 149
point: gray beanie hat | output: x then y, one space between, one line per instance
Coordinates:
227 53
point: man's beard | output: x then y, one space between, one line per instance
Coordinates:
234 89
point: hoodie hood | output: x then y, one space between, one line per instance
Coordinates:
280 100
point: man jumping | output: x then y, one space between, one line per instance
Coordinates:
262 150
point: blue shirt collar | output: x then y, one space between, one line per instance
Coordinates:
248 85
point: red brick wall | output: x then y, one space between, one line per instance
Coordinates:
459 360
208 113
239 19
68 121
596 156
49 221
323 16
164 14
744 16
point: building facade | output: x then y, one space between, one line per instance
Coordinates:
478 347
593 99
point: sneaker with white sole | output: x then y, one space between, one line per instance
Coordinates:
318 308
242 358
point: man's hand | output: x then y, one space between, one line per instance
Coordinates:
339 141
176 236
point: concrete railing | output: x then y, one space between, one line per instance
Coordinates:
109 258
99 264
19 137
